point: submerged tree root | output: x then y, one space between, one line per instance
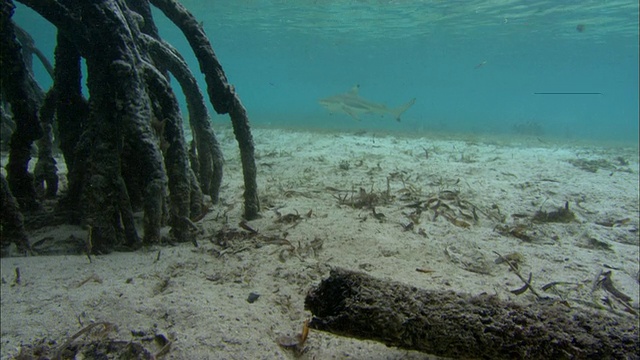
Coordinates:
127 151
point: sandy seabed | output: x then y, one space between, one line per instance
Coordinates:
478 196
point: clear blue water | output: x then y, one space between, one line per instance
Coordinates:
282 56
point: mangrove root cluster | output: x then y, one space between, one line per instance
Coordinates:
124 147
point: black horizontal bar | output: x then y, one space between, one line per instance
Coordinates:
567 93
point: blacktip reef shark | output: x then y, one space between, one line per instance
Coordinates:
352 104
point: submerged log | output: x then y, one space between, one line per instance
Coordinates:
454 325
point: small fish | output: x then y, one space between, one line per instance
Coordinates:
481 64
352 104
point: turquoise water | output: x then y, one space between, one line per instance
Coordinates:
282 56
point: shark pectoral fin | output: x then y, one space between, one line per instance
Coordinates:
351 113
400 110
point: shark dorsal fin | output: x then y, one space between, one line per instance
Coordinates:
354 89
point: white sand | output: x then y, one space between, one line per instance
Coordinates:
197 296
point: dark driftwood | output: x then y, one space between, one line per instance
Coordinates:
453 325
221 95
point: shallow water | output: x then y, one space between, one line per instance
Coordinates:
521 108
473 66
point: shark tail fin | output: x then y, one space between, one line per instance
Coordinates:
397 112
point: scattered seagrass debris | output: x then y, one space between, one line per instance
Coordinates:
520 231
604 281
514 259
467 257
95 345
601 164
528 232
291 193
607 284
595 244
561 215
361 199
449 205
468 158
300 251
449 324
230 241
563 288
525 287
613 222
91 278
514 267
554 287
531 228
622 161
289 218
446 203
425 270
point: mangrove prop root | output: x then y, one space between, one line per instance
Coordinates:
21 92
221 95
11 220
127 150
209 159
449 324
